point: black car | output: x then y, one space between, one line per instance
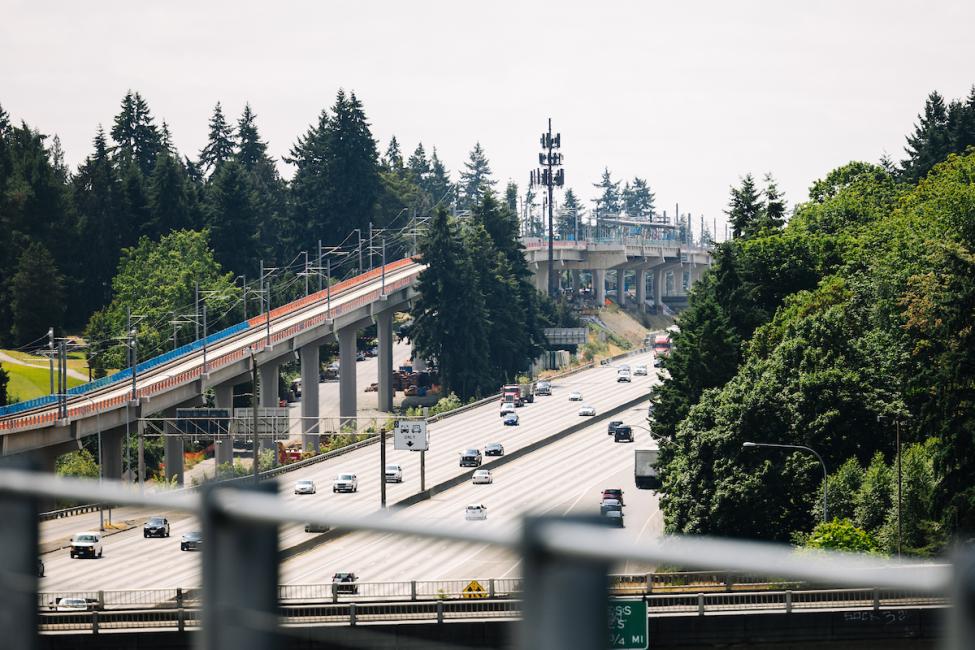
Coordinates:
494 449
623 433
470 458
40 568
192 541
156 527
344 583
613 425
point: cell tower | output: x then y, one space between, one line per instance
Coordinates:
549 177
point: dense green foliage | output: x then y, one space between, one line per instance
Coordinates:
862 306
842 535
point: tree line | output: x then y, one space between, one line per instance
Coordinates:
74 243
823 332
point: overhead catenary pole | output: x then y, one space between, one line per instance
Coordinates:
370 245
318 265
254 412
306 271
196 308
382 284
50 354
382 468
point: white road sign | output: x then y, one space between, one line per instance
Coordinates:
411 435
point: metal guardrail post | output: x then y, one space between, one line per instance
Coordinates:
728 582
788 602
439 611
352 614
876 599
565 603
101 600
179 597
491 588
240 576
94 622
180 620
18 568
412 589
700 604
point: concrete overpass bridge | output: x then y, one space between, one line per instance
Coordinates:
673 266
113 405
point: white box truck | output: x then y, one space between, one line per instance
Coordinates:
645 469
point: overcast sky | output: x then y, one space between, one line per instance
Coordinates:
688 95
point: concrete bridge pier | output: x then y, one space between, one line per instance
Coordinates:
576 281
347 372
223 398
541 277
172 449
658 290
310 368
621 287
599 286
384 329
268 374
111 453
641 290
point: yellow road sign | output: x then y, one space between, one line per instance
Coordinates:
474 590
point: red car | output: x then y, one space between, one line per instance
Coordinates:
613 493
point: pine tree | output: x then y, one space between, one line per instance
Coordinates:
276 232
511 197
961 123
638 200
251 150
393 160
745 209
475 180
36 295
168 199
774 213
232 216
930 143
570 216
135 134
220 143
419 167
438 184
608 202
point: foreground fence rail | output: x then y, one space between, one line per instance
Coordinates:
562 596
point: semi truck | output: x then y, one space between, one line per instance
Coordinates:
519 394
645 469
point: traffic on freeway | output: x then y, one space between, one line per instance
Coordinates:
131 561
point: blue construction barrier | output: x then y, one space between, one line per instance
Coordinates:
127 373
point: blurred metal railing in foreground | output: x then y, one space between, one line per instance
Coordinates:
565 563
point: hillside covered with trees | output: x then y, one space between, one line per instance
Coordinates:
826 332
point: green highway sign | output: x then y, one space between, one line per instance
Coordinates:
627 620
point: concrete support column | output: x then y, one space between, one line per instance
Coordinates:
621 287
576 283
384 328
641 290
599 286
172 449
347 394
310 370
541 277
111 454
268 376
223 398
658 289
419 365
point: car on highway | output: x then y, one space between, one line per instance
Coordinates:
72 605
623 376
622 367
640 370
494 449
316 528
613 425
305 486
345 482
344 583
508 408
543 388
40 568
575 396
614 518
360 356
394 473
658 362
191 541
587 410
482 476
475 512
511 420
470 458
623 433
613 493
156 527
608 505
86 544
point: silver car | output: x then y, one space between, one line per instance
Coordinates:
575 396
587 410
304 486
482 476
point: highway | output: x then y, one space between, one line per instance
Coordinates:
132 562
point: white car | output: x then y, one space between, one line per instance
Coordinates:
86 544
345 483
72 605
304 486
394 473
623 375
625 367
587 410
475 512
640 370
482 476
506 408
575 396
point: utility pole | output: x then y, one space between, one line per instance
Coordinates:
370 245
382 467
382 284
196 309
358 233
254 412
50 354
318 265
306 271
550 178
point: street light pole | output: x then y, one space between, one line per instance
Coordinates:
750 445
897 428
254 411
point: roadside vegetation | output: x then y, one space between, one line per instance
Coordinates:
825 332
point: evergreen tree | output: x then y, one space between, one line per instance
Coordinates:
232 216
475 180
608 201
930 142
449 315
275 231
774 215
511 197
251 149
570 216
393 160
438 184
168 199
4 381
220 143
419 167
638 200
746 209
135 203
36 295
135 134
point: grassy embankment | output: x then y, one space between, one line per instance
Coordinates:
28 382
